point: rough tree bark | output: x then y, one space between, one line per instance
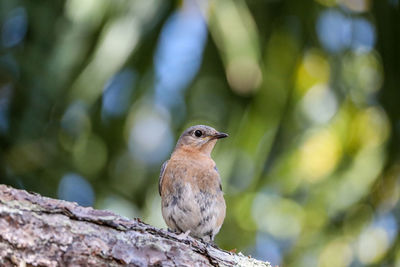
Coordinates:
40 231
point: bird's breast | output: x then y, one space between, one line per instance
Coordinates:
201 175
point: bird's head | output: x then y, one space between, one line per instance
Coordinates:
200 137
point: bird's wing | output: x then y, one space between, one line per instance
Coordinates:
160 178
220 185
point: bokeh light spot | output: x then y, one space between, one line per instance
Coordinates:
313 69
363 35
319 104
75 124
362 74
243 75
369 128
334 30
150 139
372 245
74 187
337 253
239 46
356 5
281 218
319 154
179 53
15 27
117 94
88 11
337 32
267 250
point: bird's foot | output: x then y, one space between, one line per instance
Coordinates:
211 243
182 235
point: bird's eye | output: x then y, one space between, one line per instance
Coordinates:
198 133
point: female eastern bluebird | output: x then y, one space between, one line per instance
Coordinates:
190 186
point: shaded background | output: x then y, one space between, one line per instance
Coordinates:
94 94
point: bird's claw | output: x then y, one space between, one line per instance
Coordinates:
211 243
184 235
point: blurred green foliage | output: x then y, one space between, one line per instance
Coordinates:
94 93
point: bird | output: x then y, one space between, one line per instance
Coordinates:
192 201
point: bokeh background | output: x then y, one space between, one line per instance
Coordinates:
94 94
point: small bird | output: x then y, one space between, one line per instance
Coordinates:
192 200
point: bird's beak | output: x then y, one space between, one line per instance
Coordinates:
219 135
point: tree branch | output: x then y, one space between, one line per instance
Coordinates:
40 231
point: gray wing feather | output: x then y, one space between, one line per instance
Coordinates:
160 178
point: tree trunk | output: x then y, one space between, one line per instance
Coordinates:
40 231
